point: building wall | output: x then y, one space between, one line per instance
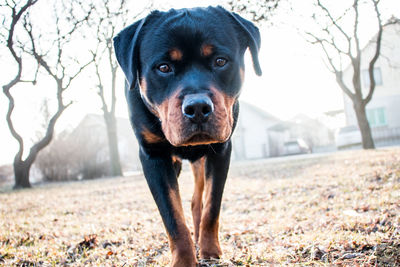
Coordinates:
127 144
386 97
251 139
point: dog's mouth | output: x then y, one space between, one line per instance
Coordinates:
196 135
199 139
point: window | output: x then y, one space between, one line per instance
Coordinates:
376 117
377 77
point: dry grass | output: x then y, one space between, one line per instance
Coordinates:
341 209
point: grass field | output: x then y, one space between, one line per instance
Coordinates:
339 209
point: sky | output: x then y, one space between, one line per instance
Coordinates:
295 80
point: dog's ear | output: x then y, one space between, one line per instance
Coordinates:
253 38
126 46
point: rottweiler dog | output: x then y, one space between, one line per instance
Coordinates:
184 71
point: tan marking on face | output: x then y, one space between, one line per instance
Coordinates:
175 54
151 137
143 93
223 112
143 86
182 247
198 169
206 50
171 118
208 241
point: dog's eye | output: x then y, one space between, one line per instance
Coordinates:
220 62
164 68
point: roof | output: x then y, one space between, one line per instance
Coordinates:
262 113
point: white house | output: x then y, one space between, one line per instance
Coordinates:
383 111
252 139
314 133
93 126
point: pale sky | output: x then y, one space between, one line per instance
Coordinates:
295 80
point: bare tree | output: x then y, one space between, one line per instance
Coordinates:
341 46
51 58
111 17
17 12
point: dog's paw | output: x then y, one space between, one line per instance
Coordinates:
213 252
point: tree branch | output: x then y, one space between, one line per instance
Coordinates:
338 72
15 18
356 22
71 78
334 21
39 58
100 85
48 136
376 55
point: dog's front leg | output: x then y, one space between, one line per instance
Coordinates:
216 167
162 180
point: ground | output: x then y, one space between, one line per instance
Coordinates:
337 209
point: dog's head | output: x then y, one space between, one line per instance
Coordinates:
188 65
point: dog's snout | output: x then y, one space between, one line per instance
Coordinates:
197 107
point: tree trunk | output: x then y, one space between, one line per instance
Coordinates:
21 173
115 163
363 124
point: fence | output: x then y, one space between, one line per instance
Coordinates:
386 136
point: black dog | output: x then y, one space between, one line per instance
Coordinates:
184 71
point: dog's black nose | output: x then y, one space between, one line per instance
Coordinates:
197 107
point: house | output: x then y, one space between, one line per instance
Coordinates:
251 138
92 131
315 134
261 135
383 111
